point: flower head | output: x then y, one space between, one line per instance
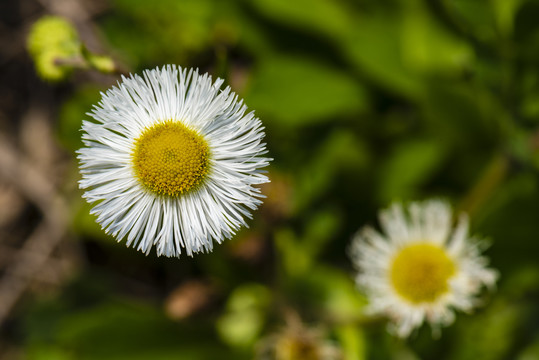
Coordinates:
173 161
421 269
296 341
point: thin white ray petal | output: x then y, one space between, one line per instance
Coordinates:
193 221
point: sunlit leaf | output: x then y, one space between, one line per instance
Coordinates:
245 315
294 91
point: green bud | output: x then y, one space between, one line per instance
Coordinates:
101 63
48 68
54 45
53 33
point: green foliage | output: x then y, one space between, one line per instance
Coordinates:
364 102
294 91
115 329
73 112
243 321
325 17
353 342
167 31
414 161
494 333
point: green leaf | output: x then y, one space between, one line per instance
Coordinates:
352 342
295 91
530 352
335 292
493 333
48 352
410 165
325 16
428 47
341 151
245 315
474 17
165 31
294 259
505 11
72 113
299 253
122 330
374 48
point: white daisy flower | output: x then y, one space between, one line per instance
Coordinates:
173 161
421 269
296 341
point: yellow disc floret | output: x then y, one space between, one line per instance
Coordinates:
420 272
171 159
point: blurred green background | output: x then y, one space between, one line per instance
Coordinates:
365 102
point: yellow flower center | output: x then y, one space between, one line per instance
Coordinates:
170 159
420 272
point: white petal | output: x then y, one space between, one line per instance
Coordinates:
190 222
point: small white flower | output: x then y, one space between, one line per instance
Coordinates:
172 161
296 341
421 269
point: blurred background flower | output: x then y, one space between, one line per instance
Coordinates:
419 268
364 102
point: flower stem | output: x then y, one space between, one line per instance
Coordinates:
493 175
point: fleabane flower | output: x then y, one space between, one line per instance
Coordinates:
421 269
296 341
172 161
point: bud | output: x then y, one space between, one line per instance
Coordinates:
101 63
55 47
48 67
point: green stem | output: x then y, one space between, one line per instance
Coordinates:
493 175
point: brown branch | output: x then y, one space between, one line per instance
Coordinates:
38 247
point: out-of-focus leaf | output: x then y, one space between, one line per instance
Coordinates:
352 342
341 151
493 333
295 91
523 45
505 11
522 186
531 352
72 113
428 47
335 293
474 17
299 253
49 352
530 106
374 47
123 330
321 228
517 204
324 16
245 315
457 113
294 259
85 223
490 335
409 166
170 30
